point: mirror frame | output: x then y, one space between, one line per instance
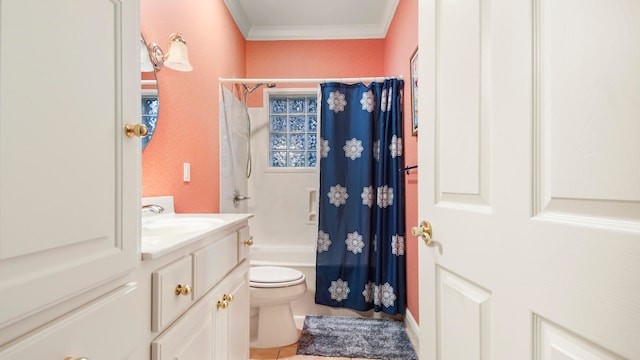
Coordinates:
150 98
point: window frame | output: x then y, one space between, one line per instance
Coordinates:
289 92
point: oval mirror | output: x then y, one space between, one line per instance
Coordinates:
149 92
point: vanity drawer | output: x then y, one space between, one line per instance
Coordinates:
172 292
213 262
245 241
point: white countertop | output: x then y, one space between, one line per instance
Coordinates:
152 247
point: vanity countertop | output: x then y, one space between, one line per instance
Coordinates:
156 243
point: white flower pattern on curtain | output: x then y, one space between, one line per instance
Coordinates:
367 270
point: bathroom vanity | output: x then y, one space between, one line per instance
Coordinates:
199 303
188 298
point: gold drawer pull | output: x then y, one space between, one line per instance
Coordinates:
248 242
183 290
227 298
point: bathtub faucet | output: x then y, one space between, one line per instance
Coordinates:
156 209
237 198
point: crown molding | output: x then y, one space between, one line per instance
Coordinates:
238 15
257 33
376 30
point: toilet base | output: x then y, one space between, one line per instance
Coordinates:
276 327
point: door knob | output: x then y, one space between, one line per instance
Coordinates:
139 130
423 231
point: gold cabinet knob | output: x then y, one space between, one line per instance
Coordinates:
227 297
424 231
223 304
139 130
183 290
248 242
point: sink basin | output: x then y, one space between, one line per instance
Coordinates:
178 226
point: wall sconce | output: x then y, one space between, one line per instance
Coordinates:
176 57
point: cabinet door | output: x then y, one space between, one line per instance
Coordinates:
210 330
191 337
237 330
69 177
232 322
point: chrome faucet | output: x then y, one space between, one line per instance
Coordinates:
156 209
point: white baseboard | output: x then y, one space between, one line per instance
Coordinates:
413 330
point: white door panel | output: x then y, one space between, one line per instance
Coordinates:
462 157
587 143
531 148
69 177
464 322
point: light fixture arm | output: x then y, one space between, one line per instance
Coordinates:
158 57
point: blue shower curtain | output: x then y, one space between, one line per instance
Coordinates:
361 239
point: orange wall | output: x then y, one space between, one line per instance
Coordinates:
401 42
187 129
188 125
312 59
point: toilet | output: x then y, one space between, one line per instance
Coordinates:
271 290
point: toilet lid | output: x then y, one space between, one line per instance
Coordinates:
274 276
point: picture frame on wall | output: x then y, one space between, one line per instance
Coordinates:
414 91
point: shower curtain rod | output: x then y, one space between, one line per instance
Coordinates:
304 81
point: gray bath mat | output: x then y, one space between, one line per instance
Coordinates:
340 336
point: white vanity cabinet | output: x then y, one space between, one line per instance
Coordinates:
213 324
216 328
69 176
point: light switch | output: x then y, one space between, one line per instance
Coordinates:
187 172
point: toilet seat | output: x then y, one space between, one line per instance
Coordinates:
274 276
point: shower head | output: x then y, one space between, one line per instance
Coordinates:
250 89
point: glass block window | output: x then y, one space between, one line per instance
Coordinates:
149 108
293 131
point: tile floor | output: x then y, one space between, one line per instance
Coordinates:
287 352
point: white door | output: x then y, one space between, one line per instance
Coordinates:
69 177
529 155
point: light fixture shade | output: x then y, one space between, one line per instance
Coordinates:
145 61
178 57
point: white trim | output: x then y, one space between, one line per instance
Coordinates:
305 81
413 331
239 17
291 169
323 32
372 29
